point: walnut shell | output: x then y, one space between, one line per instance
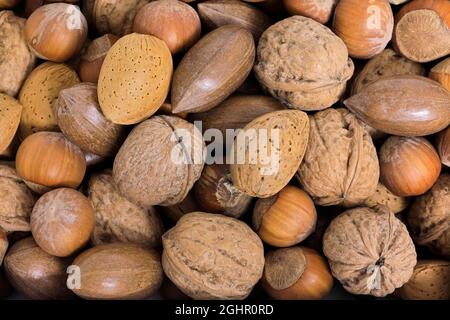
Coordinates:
16 59
3 244
340 164
119 220
369 251
303 64
16 201
160 161
429 217
210 256
383 196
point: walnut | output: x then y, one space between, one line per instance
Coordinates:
369 251
119 220
429 218
16 59
303 64
211 256
341 164
16 201
383 196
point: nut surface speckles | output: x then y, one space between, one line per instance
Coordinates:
134 79
10 113
210 256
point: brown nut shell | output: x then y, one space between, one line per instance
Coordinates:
134 79
119 220
176 211
405 105
8 4
443 146
383 196
279 139
212 69
3 244
10 113
319 10
119 271
441 73
210 256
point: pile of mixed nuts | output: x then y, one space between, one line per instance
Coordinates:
221 148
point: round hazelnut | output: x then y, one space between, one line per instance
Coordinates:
296 273
119 271
409 166
443 146
81 120
172 21
62 221
286 218
365 26
35 273
441 73
56 31
49 159
319 10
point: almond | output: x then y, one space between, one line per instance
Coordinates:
10 111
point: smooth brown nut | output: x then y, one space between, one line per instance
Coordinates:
443 146
156 153
319 10
279 139
119 271
172 21
119 220
81 120
210 256
92 60
441 73
217 13
3 244
39 93
296 273
340 166
16 201
216 193
50 160
134 79
286 218
405 105
383 196
8 4
62 221
16 59
176 211
10 113
352 245
430 281
56 31
35 273
429 218
409 166
212 69
303 64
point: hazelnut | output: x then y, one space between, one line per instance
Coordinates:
49 159
441 73
443 146
172 21
176 211
56 31
119 271
62 221
319 10
286 218
409 166
35 273
8 4
296 273
92 60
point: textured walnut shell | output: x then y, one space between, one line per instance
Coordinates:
159 162
10 112
3 244
443 146
369 251
217 13
119 220
134 79
279 139
210 256
81 120
35 273
383 196
441 73
16 201
340 164
212 69
119 271
387 63
303 64
430 281
39 93
405 105
429 218
114 16
16 59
